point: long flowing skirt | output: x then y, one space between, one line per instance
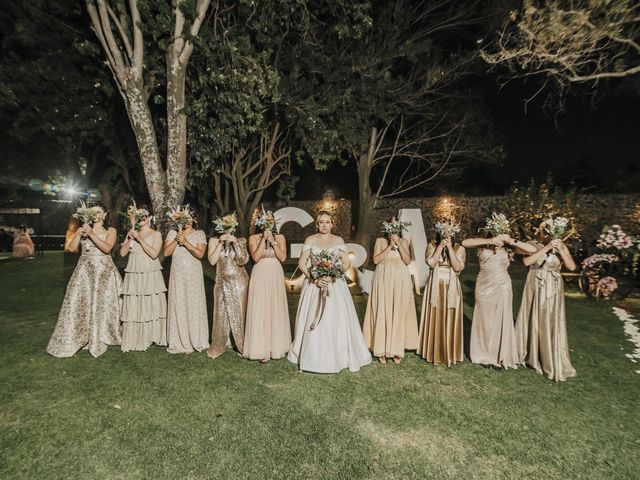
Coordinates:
90 313
267 331
337 341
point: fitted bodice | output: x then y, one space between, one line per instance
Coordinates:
230 257
89 249
181 255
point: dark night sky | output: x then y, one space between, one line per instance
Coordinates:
596 147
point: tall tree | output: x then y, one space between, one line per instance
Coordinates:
574 44
134 37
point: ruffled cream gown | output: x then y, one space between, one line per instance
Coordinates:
493 339
441 323
541 325
390 323
90 313
144 302
267 331
187 323
230 299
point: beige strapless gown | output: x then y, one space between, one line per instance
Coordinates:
230 299
144 301
441 326
90 313
390 323
541 325
268 330
493 339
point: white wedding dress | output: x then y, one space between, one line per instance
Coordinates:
337 341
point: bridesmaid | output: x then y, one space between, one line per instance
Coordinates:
441 337
144 305
229 254
187 323
89 317
493 340
390 322
541 325
268 331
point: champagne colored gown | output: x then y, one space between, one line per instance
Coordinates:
493 340
268 330
337 341
144 301
390 322
541 325
90 313
441 325
230 299
187 323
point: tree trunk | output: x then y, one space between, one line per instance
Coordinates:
176 131
366 200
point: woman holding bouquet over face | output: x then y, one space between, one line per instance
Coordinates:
441 339
493 340
267 331
90 313
187 325
541 325
390 323
144 303
328 336
229 254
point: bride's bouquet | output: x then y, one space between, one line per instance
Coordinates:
84 213
136 215
447 228
497 224
180 216
227 224
324 264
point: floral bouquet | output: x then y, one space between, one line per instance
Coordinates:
447 228
136 215
227 224
180 216
496 224
84 213
266 220
395 227
324 264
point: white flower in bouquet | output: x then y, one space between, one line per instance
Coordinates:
497 224
226 224
84 214
395 227
136 215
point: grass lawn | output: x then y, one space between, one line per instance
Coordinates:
154 415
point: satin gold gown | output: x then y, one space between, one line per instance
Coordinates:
441 327
230 299
541 325
90 313
390 323
493 338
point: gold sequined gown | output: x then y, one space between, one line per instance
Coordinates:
390 323
267 330
441 327
493 338
229 299
144 301
541 325
187 322
90 313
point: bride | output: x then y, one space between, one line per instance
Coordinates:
330 339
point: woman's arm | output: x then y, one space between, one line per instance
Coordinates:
126 245
240 247
303 262
170 244
152 250
107 244
481 242
457 261
529 260
381 249
74 244
257 246
433 260
197 250
566 256
405 251
215 247
280 247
